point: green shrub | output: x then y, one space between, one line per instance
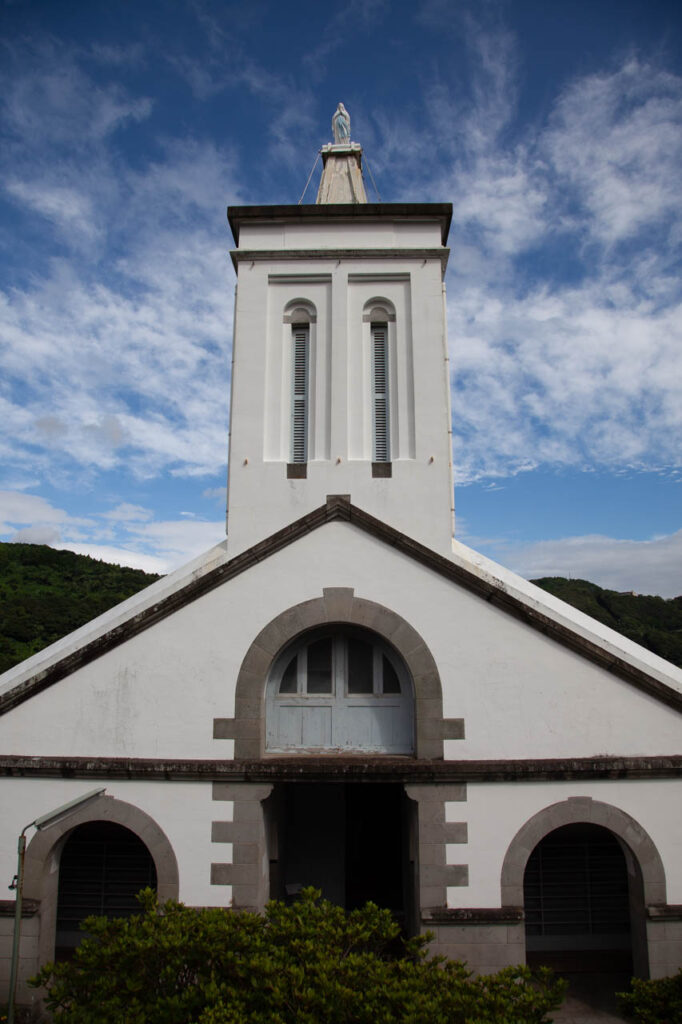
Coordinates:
658 1001
308 963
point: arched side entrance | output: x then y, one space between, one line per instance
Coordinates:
43 854
576 903
337 606
102 868
645 873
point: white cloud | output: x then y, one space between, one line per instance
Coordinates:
215 493
125 512
118 556
18 508
617 139
66 206
647 567
567 341
37 535
167 544
126 534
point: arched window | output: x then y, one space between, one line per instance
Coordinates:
102 868
299 315
340 690
380 315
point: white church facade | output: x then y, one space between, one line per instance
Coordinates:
341 694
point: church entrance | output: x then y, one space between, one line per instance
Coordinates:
351 840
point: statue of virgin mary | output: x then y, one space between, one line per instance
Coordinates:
341 125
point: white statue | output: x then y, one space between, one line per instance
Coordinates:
341 126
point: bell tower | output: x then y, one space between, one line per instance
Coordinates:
340 377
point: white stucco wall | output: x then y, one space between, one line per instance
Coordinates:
496 811
520 693
418 499
183 810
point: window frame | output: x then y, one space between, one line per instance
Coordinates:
339 668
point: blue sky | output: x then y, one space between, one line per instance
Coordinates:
553 128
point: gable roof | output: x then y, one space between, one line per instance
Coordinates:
508 592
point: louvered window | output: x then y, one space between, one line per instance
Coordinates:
299 393
380 398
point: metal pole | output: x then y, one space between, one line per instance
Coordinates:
17 928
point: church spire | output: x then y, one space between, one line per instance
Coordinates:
341 180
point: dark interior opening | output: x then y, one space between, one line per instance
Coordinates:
577 903
103 866
351 840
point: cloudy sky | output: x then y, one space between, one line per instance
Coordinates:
553 128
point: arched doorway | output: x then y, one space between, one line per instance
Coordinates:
103 866
645 872
41 881
576 897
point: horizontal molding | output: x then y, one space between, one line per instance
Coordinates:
299 278
319 255
473 915
664 912
376 277
336 769
29 908
326 213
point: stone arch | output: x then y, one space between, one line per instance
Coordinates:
378 308
578 810
337 605
299 310
41 874
646 873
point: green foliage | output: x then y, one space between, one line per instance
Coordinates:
308 963
45 594
658 1001
653 622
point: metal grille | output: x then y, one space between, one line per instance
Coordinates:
299 397
380 397
576 889
103 867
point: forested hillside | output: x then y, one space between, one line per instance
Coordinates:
45 594
653 622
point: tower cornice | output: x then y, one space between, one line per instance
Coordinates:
324 212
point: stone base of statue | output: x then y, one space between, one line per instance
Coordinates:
341 180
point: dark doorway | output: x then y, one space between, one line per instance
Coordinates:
103 866
577 902
352 841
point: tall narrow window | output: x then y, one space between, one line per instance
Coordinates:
381 444
299 393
